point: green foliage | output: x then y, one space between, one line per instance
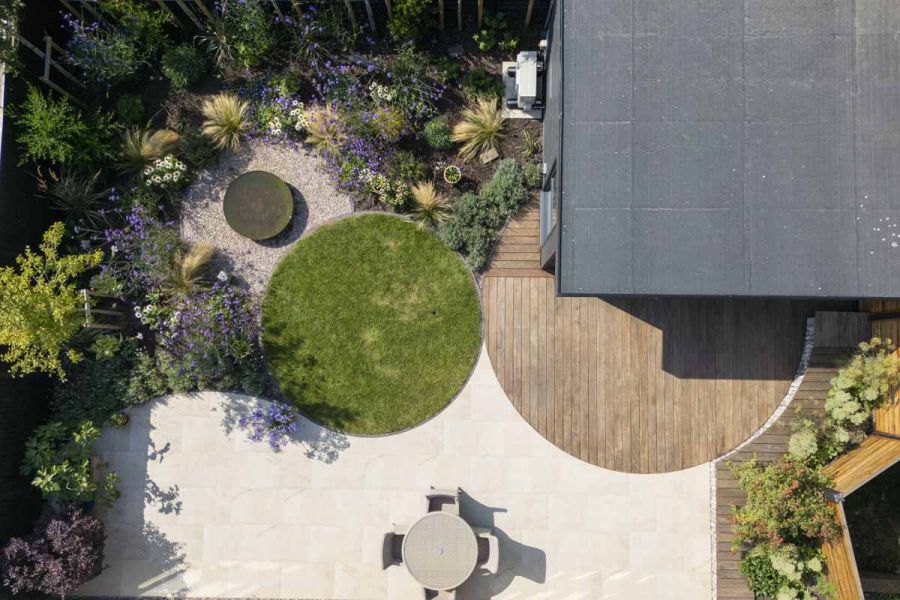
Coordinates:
864 384
40 307
242 36
184 65
10 11
388 123
447 68
406 167
410 20
481 83
77 195
130 109
785 503
54 131
430 208
437 134
58 458
534 178
480 129
477 219
101 387
496 34
197 150
106 346
786 573
531 144
146 25
506 190
226 120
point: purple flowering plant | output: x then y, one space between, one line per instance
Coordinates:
273 422
211 340
141 250
63 552
105 54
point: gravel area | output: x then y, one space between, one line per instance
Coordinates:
315 201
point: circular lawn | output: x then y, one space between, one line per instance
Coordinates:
371 325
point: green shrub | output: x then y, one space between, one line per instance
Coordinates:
40 306
476 219
145 23
534 178
506 190
863 385
785 502
242 36
59 460
480 83
98 388
184 65
54 131
404 166
788 572
410 20
10 13
437 134
197 150
130 109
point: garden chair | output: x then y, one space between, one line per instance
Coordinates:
443 500
488 550
392 547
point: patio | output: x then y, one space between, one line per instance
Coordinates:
207 513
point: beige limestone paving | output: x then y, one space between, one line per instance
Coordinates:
207 513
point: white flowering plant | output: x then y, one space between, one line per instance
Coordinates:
167 173
394 193
280 117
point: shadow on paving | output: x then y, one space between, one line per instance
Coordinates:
130 536
516 559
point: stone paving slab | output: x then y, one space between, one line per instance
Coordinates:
206 513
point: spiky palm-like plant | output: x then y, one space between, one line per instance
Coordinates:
76 195
481 128
189 269
140 147
429 207
325 129
225 119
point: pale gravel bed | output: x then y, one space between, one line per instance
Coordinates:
315 201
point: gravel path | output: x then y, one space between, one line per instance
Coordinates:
315 201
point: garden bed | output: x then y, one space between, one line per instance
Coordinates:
374 334
873 517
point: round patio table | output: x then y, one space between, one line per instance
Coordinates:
440 551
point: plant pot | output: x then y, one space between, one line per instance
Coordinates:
452 174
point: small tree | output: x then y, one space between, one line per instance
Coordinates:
64 551
40 308
9 24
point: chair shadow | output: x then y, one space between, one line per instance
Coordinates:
516 559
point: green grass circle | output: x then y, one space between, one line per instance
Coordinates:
371 325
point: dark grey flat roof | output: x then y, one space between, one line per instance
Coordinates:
731 147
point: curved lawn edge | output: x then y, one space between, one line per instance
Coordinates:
467 351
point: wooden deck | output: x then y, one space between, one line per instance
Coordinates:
640 385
